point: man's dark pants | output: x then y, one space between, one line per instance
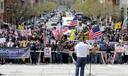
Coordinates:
80 64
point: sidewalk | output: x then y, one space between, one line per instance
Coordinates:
61 70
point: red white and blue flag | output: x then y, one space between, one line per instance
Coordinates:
65 29
57 33
95 33
74 21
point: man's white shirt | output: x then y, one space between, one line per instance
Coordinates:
82 49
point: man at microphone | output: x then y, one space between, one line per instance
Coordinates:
82 50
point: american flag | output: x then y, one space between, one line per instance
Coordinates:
57 33
95 33
74 21
65 29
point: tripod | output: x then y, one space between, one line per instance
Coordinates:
70 54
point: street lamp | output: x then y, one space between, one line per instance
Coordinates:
1 23
101 1
7 10
102 4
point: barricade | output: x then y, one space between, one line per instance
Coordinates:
20 53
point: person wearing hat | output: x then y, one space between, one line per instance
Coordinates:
82 50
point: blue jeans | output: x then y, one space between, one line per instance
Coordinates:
119 58
59 57
53 57
94 58
80 64
99 58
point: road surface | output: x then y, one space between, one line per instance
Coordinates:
61 70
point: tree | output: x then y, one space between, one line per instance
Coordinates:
39 8
16 10
19 11
67 3
77 6
95 8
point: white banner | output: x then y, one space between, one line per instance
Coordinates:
1 6
119 49
66 21
126 49
47 52
2 40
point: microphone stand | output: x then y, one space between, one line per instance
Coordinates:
90 63
1 73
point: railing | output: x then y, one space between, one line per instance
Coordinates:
70 55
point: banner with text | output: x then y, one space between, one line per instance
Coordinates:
14 53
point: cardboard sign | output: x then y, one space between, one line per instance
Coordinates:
47 52
119 49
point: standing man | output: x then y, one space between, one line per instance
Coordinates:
82 50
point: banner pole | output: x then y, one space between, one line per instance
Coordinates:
39 57
30 57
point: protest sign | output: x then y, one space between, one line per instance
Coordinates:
14 53
2 40
119 49
47 52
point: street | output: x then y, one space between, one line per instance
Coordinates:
45 37
61 70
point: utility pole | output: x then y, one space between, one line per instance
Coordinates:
124 4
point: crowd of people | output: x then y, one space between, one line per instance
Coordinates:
39 37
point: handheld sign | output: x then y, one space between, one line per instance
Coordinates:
119 49
47 52
2 40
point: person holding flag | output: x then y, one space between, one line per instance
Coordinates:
95 33
72 35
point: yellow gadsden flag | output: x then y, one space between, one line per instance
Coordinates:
86 35
72 35
118 26
20 27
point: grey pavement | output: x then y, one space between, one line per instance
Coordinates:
62 70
